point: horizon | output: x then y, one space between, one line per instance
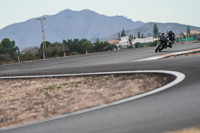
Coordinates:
173 11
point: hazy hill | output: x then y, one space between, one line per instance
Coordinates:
67 24
147 30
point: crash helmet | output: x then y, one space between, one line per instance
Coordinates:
170 33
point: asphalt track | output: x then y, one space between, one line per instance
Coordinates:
172 109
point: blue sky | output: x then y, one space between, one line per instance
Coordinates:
178 11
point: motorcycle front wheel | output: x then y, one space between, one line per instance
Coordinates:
158 47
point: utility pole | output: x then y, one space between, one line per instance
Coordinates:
43 35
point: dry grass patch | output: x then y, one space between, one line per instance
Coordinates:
28 100
188 54
190 130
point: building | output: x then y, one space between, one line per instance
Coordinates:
194 36
192 32
126 41
144 40
114 42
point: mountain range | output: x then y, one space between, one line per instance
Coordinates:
66 24
86 24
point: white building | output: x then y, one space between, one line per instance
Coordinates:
125 43
144 40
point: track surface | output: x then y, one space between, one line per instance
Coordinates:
175 108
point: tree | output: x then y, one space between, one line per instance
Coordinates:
138 45
188 31
123 33
97 41
182 35
66 49
119 36
47 50
112 47
154 43
31 53
67 46
138 34
8 50
74 46
86 46
101 46
155 30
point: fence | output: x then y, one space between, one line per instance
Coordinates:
184 39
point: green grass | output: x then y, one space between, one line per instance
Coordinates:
51 87
65 84
96 78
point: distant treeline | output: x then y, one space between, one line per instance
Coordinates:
9 52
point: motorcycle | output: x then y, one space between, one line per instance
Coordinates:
161 45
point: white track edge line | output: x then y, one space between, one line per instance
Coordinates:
163 56
179 78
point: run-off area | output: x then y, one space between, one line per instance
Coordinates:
27 100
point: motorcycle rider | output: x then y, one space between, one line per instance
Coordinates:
169 36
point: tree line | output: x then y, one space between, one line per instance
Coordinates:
9 52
